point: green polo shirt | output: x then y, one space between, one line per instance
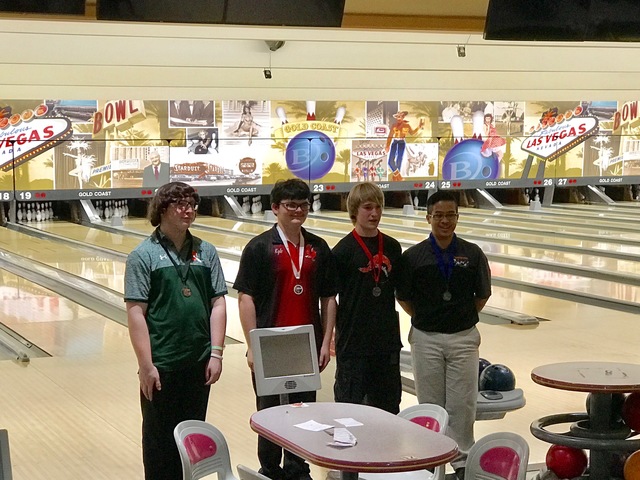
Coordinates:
179 325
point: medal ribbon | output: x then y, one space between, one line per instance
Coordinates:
297 270
178 267
446 268
376 270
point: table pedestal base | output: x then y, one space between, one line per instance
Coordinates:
600 443
348 475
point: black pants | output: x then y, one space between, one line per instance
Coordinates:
269 454
184 396
372 380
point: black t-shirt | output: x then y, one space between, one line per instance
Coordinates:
258 276
424 286
366 324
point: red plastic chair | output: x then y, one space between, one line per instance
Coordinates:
203 450
498 456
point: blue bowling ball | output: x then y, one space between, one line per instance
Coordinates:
465 162
497 377
310 155
482 364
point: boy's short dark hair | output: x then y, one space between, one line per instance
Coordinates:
292 189
441 196
165 196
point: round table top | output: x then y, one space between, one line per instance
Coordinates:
595 377
385 442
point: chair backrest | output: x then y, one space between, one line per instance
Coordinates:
431 416
203 450
498 456
246 473
5 458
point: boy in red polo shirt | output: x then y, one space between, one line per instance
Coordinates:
285 273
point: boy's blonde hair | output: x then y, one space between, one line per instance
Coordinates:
362 193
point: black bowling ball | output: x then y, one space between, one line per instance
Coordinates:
497 377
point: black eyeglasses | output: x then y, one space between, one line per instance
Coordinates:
440 216
184 205
292 207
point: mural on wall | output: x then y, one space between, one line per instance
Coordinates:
128 144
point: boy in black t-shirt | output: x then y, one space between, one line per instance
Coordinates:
367 327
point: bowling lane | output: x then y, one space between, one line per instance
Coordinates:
55 324
596 222
543 258
122 243
561 229
627 207
73 259
102 269
522 275
532 238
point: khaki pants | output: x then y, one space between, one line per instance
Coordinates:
445 369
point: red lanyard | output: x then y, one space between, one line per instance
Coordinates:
376 268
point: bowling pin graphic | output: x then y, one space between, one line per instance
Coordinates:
311 110
340 115
478 124
457 128
282 115
254 205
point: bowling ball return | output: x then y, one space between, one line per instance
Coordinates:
491 405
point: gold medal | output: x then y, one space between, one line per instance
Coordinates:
297 289
186 291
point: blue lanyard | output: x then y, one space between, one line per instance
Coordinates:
445 267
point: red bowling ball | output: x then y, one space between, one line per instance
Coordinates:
631 411
566 462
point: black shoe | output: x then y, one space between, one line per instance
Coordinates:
460 473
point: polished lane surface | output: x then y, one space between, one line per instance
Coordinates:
53 323
229 242
334 222
596 220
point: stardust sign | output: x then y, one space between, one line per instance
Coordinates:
556 134
24 140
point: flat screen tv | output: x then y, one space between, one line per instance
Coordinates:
56 7
294 13
285 360
568 20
